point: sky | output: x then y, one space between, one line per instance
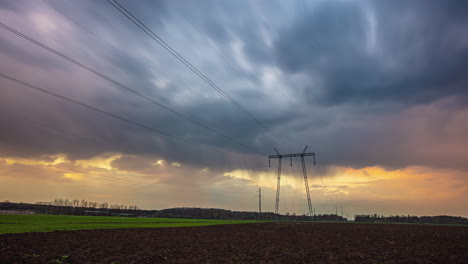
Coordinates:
93 107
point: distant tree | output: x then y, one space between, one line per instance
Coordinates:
57 202
83 203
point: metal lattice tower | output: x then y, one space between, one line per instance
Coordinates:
304 172
259 200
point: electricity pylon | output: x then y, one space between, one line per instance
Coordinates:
304 172
259 200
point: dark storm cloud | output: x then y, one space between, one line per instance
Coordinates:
418 55
347 66
229 21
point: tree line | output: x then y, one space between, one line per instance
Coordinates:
76 207
87 204
439 219
84 207
214 213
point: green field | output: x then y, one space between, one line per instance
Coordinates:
47 223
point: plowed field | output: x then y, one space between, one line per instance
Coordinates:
244 243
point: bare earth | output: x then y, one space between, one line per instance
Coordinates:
244 243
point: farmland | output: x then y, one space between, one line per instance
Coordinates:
245 243
47 223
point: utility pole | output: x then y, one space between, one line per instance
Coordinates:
304 172
341 210
259 200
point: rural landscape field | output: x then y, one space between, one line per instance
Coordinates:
48 223
234 131
273 242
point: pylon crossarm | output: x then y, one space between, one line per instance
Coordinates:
296 155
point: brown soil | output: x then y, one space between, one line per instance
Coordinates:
244 243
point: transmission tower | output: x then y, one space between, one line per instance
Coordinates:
304 172
259 199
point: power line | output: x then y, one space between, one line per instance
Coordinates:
104 112
70 100
116 83
173 52
124 53
223 55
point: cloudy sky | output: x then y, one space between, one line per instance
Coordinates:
185 111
